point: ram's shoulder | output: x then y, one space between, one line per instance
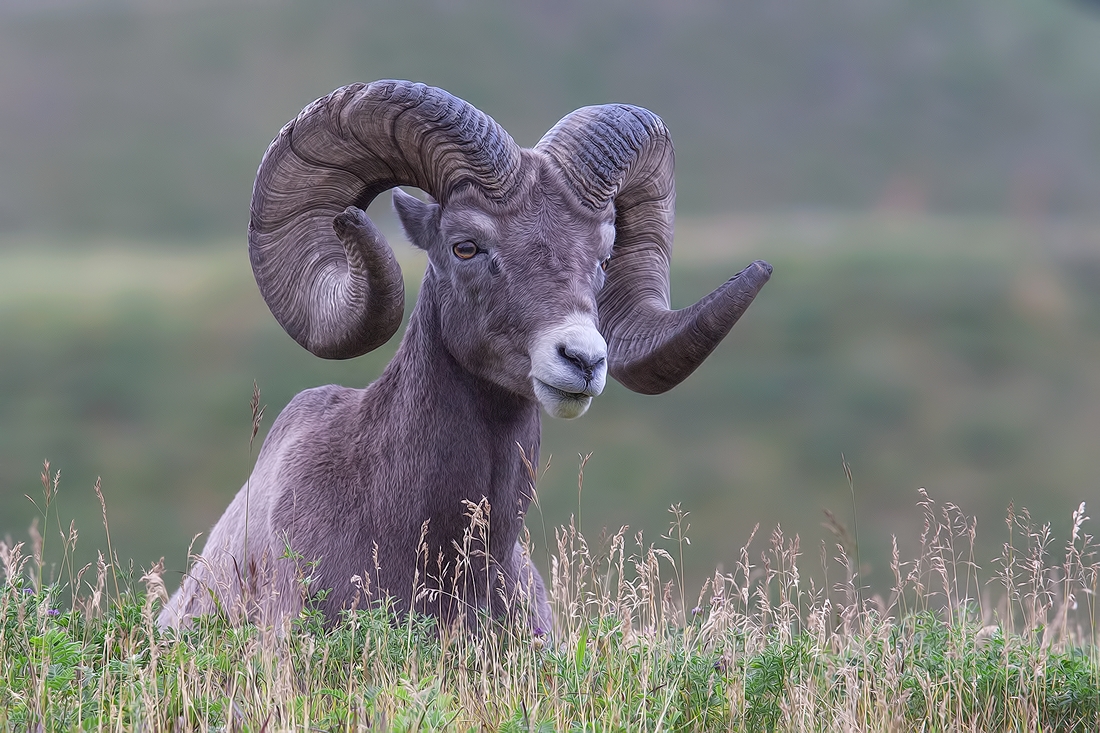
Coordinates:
327 398
314 411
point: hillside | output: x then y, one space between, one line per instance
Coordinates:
148 117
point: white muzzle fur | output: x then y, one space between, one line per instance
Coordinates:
569 366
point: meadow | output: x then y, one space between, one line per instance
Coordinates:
762 647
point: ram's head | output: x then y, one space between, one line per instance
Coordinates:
549 266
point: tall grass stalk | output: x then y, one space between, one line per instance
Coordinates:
257 417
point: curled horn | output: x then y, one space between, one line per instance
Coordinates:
325 271
623 154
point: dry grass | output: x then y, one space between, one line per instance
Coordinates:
770 645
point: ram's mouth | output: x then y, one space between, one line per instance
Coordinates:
563 394
559 402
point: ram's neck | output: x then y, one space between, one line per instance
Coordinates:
470 438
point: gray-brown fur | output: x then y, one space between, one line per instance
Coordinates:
371 488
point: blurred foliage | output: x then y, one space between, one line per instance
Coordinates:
944 353
951 349
150 116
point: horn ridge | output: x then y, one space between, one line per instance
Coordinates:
339 293
623 155
596 147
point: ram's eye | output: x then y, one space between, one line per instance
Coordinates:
603 265
465 250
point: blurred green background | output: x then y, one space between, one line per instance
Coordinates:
924 176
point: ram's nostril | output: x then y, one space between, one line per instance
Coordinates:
586 363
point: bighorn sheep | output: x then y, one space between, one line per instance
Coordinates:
547 268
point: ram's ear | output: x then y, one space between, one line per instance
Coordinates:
419 219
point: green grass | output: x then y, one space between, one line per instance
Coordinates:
768 646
